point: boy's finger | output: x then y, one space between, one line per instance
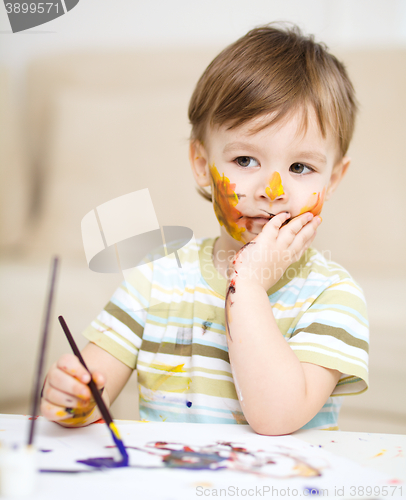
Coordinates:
289 232
275 224
99 379
60 414
71 365
64 382
305 236
53 412
59 398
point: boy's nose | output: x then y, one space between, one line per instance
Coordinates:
273 188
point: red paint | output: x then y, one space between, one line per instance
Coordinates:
160 444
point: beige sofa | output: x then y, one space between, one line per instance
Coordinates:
96 125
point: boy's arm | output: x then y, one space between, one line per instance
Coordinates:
66 395
278 393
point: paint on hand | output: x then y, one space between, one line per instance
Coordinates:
275 188
77 416
225 200
314 206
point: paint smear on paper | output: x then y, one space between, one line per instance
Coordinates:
193 460
275 188
279 463
305 470
309 491
225 200
102 463
382 452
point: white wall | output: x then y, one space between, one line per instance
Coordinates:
208 22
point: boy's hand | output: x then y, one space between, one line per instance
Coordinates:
264 259
66 397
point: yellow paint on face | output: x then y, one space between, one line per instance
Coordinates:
314 206
225 200
275 187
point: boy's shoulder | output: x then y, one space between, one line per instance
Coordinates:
321 263
314 274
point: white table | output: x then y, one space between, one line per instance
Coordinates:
358 460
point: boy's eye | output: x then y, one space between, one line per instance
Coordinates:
246 161
299 168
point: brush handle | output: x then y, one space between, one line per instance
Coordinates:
37 393
92 386
97 396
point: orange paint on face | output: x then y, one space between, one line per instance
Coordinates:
275 187
312 206
225 199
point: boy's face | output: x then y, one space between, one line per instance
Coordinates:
254 176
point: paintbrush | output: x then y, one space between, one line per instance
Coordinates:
97 396
37 395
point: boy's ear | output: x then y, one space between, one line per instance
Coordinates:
339 170
199 162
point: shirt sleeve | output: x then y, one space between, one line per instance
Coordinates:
118 329
333 332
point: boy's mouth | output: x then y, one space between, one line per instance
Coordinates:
261 219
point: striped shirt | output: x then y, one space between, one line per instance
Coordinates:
167 321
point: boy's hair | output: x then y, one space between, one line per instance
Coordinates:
273 70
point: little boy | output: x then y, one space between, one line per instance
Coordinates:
255 326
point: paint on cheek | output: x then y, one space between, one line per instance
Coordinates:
314 206
225 200
275 187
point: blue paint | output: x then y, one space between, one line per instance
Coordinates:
103 463
121 448
188 404
311 491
